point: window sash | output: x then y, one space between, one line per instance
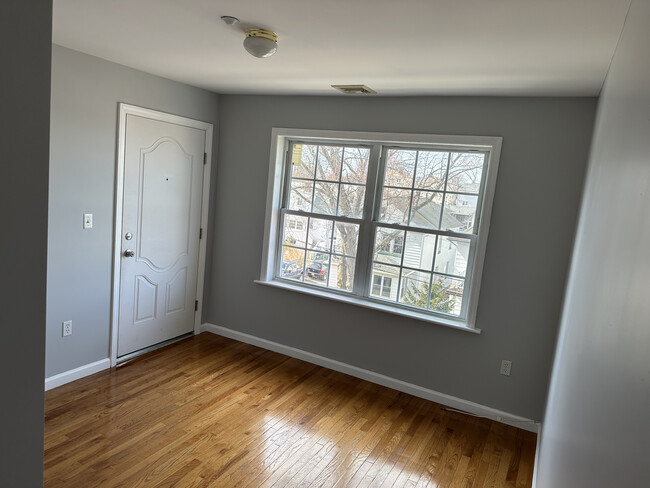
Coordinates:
381 187
473 238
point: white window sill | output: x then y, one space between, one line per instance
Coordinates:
412 314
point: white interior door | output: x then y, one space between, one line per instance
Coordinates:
161 217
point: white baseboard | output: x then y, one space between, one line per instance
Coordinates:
77 373
380 379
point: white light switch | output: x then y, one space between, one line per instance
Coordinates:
88 221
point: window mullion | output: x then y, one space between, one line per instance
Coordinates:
366 231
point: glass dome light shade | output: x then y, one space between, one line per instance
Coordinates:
261 43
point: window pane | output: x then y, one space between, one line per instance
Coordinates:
386 286
341 275
329 163
447 295
425 210
295 230
459 213
452 255
419 249
400 166
292 263
414 289
431 170
303 161
395 206
351 201
325 196
389 245
317 268
346 238
355 165
320 235
301 195
465 170
384 281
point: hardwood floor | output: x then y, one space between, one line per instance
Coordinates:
213 412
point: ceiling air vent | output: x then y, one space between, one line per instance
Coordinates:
354 89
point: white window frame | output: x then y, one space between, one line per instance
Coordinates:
278 164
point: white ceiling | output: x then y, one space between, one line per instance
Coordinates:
408 47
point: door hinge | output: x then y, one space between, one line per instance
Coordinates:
201 233
205 158
196 305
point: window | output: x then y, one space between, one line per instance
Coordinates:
382 286
296 224
390 221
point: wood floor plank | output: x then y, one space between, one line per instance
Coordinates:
211 412
430 429
359 460
338 466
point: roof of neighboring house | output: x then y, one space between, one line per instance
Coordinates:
428 215
462 209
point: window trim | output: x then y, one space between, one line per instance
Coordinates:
277 177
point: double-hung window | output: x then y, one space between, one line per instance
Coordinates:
389 221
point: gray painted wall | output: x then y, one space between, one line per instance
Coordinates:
595 429
545 149
25 40
85 95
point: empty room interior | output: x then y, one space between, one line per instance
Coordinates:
342 244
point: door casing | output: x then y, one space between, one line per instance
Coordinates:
124 110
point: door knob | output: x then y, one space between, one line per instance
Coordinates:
128 253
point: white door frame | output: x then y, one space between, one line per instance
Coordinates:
124 110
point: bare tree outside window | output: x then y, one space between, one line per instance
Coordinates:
329 181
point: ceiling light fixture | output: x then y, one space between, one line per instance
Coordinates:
261 43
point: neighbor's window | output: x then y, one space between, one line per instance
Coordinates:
394 223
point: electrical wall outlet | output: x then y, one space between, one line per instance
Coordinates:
67 328
506 366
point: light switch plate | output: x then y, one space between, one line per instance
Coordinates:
88 221
506 366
